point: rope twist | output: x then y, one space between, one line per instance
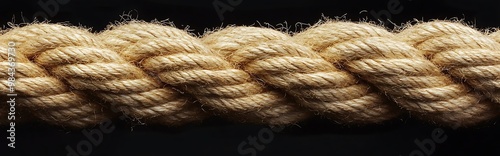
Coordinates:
352 73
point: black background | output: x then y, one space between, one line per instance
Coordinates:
218 137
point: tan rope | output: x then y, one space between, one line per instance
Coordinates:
352 73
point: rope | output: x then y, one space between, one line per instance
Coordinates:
352 73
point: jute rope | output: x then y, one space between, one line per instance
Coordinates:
352 73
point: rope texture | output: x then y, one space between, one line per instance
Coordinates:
352 73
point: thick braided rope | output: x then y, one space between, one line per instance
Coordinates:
351 73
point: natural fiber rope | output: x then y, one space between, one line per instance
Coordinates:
353 73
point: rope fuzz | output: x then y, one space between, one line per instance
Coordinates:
352 73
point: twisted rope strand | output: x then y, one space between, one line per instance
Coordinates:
79 59
463 52
298 71
351 73
48 98
178 59
400 70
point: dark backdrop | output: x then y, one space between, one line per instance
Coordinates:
218 137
